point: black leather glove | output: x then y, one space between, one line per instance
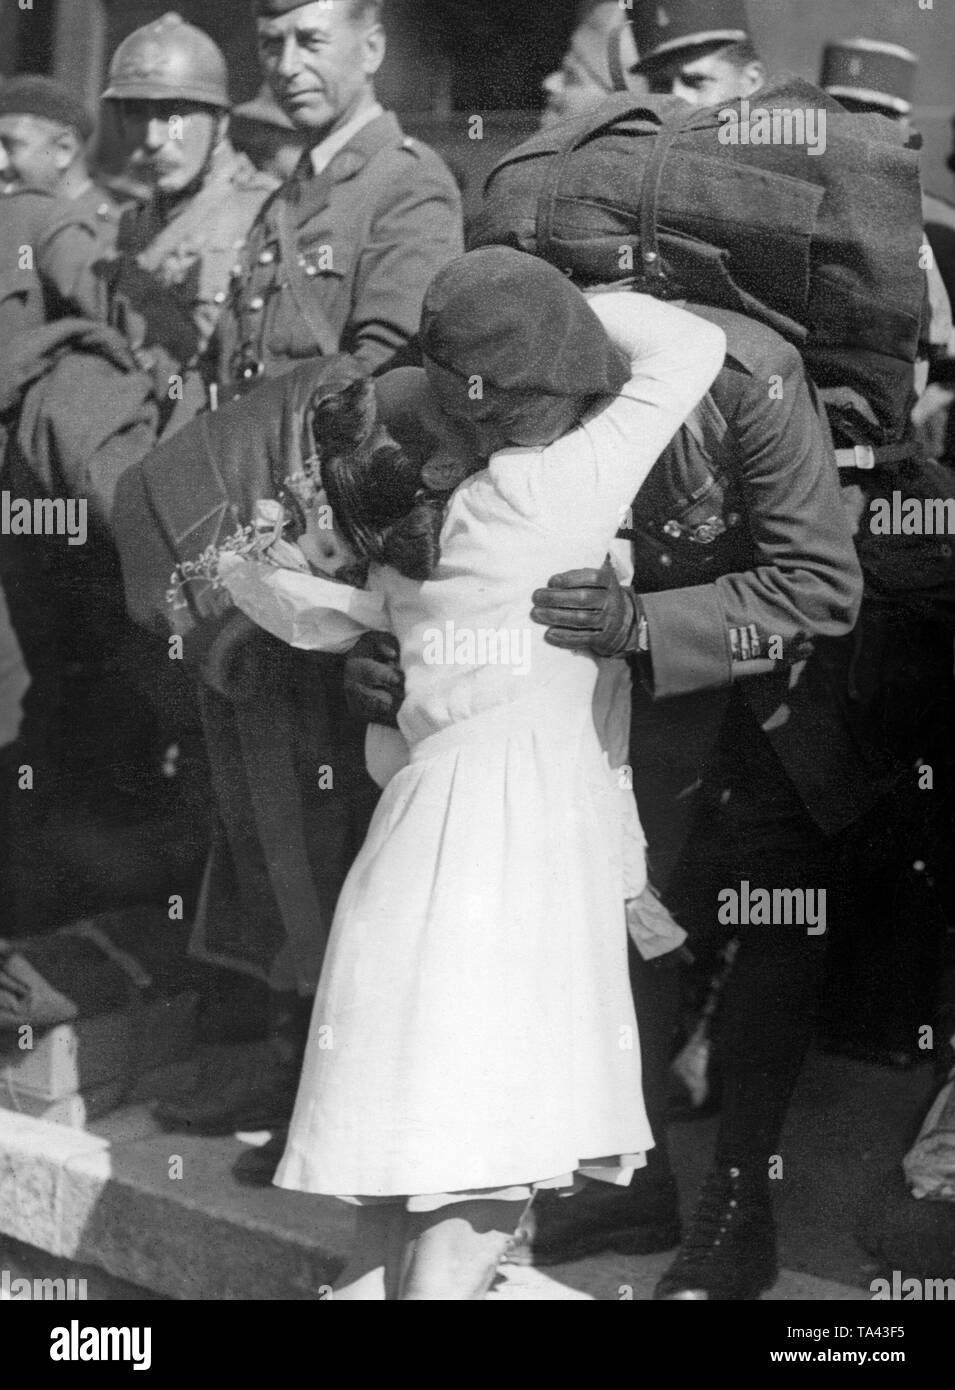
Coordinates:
589 610
374 680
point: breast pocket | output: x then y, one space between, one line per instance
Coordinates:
688 525
316 295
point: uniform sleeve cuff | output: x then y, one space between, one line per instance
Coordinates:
690 646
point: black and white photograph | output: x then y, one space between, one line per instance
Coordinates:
477 665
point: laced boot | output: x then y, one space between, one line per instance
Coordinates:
729 1251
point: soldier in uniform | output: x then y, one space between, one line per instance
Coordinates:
744 768
263 131
340 257
56 226
871 77
177 249
731 789
885 966
700 50
44 135
49 204
337 261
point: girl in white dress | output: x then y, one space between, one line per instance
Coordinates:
473 1037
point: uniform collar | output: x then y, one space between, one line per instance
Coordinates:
322 154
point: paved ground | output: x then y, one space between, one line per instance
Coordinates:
848 1129
105 1205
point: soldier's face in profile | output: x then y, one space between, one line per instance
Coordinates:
319 62
168 143
705 79
33 152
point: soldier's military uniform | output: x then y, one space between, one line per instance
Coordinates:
744 768
885 964
340 261
68 239
189 250
175 256
878 77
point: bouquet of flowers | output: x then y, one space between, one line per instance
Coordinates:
280 535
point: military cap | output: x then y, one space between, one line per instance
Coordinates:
520 325
169 60
33 95
870 71
263 109
662 27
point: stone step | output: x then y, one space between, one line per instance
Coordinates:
162 1213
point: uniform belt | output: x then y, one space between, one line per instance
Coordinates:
866 457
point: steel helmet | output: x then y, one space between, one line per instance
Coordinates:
169 60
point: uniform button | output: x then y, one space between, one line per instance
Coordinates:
266 257
220 297
103 211
311 270
236 270
666 560
257 304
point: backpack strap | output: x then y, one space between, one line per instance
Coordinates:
300 288
654 278
616 109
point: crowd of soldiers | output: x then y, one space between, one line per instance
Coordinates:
128 320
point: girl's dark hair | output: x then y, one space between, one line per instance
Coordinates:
412 545
382 509
374 484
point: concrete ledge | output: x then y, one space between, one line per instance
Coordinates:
161 1212
121 1205
619 1278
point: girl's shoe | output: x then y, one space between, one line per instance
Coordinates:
641 1219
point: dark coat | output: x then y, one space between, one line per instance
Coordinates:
60 445
739 537
275 718
67 237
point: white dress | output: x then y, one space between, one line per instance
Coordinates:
474 1029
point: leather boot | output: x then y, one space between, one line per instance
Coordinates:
242 1087
248 1087
641 1219
729 1252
